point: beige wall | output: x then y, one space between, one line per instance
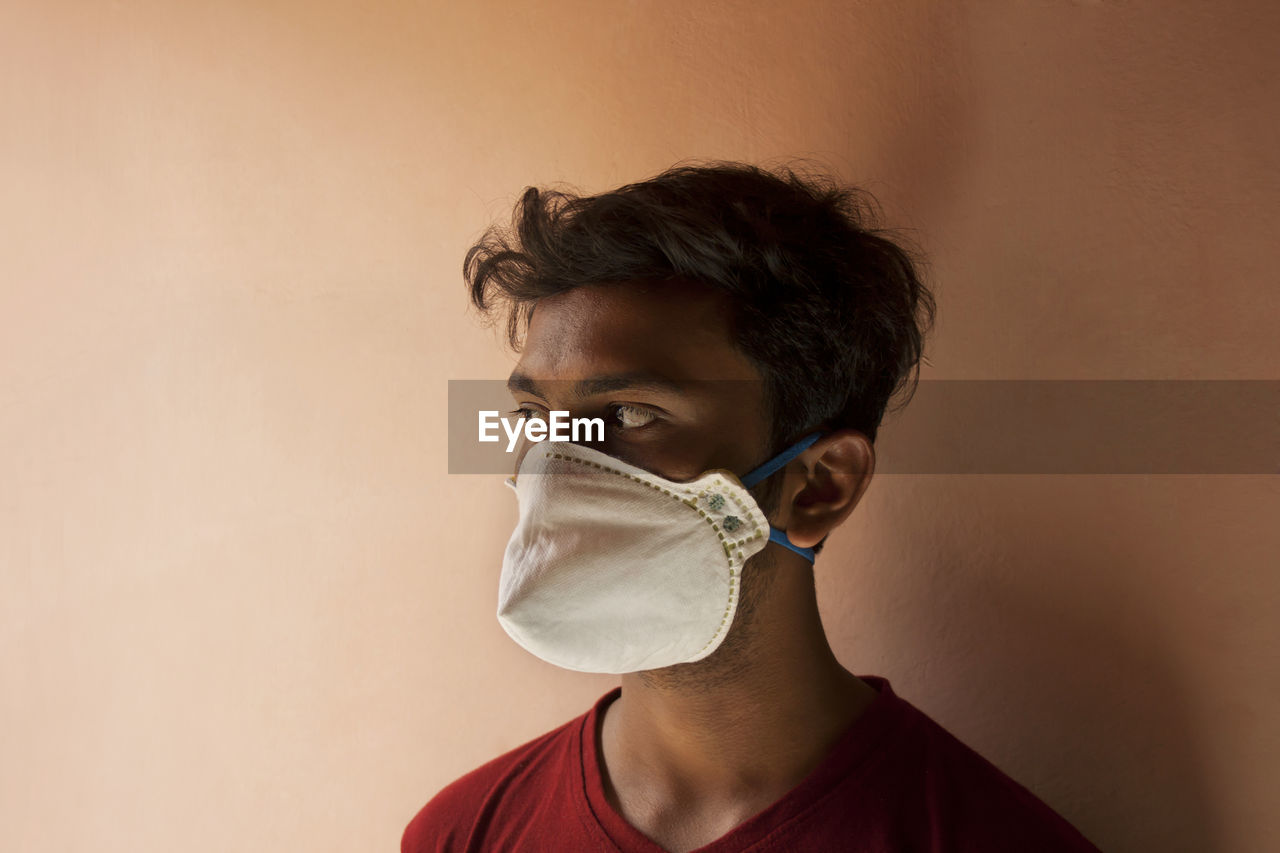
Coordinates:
244 607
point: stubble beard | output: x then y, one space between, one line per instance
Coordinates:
732 661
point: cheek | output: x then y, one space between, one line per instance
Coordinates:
767 493
522 450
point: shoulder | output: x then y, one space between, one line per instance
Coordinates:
456 817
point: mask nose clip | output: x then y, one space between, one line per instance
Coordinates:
758 474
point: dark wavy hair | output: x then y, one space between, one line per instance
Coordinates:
829 307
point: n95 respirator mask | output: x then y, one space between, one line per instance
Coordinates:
613 569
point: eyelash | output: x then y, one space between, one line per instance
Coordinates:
526 412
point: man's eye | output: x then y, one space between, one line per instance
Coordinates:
630 417
527 413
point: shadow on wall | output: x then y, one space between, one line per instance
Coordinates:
1026 637
930 113
1039 655
1112 712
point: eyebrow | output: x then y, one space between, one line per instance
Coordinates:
635 380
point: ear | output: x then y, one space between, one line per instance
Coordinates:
824 484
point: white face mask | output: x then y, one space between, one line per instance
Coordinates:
614 569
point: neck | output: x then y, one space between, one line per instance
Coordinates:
745 724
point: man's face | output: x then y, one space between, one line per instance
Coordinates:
656 362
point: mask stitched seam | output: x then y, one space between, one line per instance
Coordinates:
734 578
735 544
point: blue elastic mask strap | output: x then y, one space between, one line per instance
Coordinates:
780 536
756 475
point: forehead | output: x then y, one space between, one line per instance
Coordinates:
675 329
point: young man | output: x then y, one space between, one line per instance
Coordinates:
740 332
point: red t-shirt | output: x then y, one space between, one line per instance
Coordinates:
895 781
